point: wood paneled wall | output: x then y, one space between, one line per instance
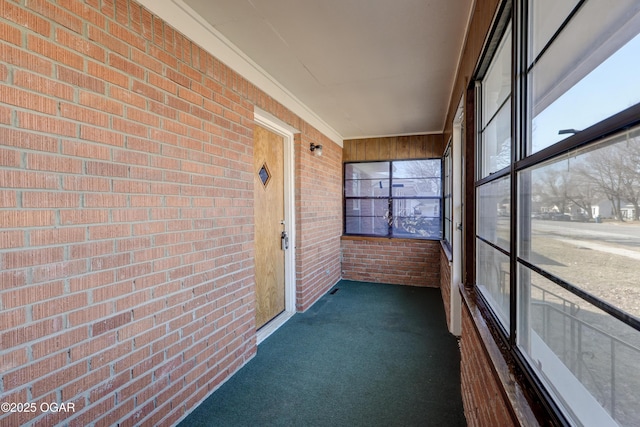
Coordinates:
483 14
393 148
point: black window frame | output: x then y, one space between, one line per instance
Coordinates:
390 216
515 12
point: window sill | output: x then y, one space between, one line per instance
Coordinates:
516 393
447 250
384 238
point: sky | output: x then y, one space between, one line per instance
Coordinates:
612 87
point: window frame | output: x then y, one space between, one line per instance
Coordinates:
447 196
504 22
514 13
390 198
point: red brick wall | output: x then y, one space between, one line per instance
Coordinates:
319 211
126 214
445 284
394 261
482 397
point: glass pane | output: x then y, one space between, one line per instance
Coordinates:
417 218
366 188
492 278
447 228
373 170
417 168
368 225
496 85
586 358
494 206
366 179
366 207
264 174
415 187
496 143
585 224
588 74
447 199
545 18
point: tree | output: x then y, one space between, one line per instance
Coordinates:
604 168
631 173
581 192
550 186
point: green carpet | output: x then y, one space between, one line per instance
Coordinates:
366 355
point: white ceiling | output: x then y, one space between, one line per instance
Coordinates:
364 67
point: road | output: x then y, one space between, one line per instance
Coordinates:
619 234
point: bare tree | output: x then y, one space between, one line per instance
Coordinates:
631 173
425 173
581 191
604 169
550 186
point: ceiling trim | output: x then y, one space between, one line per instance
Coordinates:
188 22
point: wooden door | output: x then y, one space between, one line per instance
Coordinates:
268 155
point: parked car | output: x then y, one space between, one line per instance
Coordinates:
579 217
560 217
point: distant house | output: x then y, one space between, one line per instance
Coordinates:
604 209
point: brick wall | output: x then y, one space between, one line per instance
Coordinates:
126 214
482 397
395 261
319 207
445 284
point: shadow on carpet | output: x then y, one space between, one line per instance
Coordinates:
367 355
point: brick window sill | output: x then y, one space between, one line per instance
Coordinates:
516 393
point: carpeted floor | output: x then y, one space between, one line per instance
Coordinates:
366 355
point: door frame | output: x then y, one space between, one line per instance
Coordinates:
458 220
269 122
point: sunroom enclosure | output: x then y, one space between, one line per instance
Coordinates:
127 240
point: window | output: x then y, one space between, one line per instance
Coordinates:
447 200
400 198
558 200
495 119
493 196
493 225
577 323
579 278
587 73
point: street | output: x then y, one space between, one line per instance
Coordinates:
612 233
